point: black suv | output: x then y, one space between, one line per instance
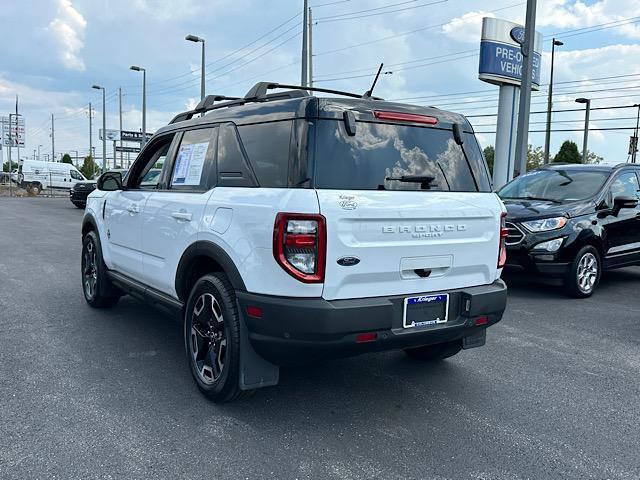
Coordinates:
574 221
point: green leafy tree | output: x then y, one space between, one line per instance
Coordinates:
7 168
66 158
568 153
490 155
593 158
535 157
89 168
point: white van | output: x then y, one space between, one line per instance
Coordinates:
35 175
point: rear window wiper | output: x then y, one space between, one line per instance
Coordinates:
425 182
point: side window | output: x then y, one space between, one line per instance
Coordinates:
76 176
195 157
233 168
625 184
268 148
145 173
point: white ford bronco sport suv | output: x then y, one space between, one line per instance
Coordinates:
287 227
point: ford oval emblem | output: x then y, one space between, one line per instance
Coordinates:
348 261
517 33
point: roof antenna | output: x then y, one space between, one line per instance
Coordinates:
369 92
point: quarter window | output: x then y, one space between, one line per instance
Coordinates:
268 148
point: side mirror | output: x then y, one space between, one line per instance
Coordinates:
624 202
110 181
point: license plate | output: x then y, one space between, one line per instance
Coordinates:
425 310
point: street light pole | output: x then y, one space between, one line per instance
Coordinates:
555 43
104 127
634 154
144 102
193 38
586 101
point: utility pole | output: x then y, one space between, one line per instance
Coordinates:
547 139
53 139
120 110
104 126
634 153
310 56
522 136
90 133
305 52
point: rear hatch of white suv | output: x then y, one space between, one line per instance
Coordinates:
407 200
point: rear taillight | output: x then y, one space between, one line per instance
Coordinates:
299 245
502 255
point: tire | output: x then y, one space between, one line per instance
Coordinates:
98 290
584 273
35 189
79 205
434 353
212 326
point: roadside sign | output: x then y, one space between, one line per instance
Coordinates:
501 53
12 135
112 135
131 136
128 149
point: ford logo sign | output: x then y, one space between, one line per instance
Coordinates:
348 261
517 33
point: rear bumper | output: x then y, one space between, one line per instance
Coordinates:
293 329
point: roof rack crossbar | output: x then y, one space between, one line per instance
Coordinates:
259 90
204 106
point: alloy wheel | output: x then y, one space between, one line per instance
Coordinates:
587 272
89 269
208 338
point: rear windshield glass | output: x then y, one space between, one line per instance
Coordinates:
395 157
555 185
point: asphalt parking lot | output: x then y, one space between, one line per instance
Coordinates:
85 394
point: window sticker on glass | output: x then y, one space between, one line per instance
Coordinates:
190 164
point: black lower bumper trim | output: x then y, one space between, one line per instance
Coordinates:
294 329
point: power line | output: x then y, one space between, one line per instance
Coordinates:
615 107
608 129
349 16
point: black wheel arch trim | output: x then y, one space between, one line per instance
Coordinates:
88 220
215 253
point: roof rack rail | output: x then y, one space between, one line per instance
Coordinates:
204 106
259 91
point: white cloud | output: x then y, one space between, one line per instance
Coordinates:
467 28
68 30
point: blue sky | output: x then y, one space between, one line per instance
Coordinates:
54 50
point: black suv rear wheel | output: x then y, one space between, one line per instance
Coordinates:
212 338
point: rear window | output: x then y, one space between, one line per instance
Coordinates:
379 155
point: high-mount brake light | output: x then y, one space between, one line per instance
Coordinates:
300 245
405 117
502 253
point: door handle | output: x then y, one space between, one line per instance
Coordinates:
133 209
182 216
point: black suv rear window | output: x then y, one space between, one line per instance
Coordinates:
381 152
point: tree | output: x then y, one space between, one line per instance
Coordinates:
66 158
6 168
535 157
568 153
89 167
593 158
490 155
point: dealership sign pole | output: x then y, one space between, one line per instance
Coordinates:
501 63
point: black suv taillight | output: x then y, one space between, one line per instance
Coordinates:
300 244
504 232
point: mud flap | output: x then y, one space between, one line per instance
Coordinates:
255 371
478 339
